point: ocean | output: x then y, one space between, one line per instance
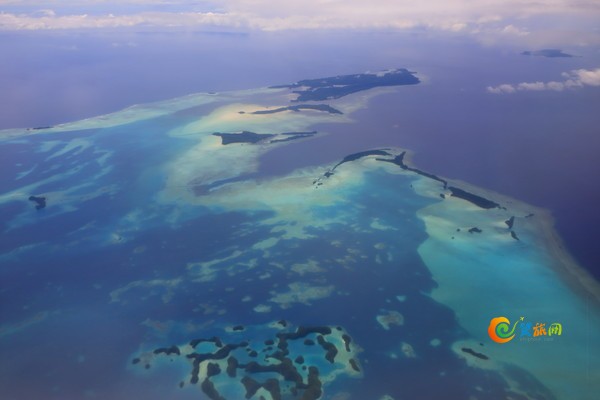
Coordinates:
127 260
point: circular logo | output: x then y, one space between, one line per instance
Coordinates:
500 331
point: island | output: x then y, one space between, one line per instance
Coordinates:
359 155
399 161
510 222
349 158
242 137
40 202
474 353
300 107
255 138
473 198
343 85
293 136
168 350
550 53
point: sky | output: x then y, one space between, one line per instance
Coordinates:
535 22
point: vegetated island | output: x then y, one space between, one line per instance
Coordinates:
253 137
398 160
472 352
550 53
473 198
350 158
242 137
510 222
40 202
343 85
287 136
359 155
300 107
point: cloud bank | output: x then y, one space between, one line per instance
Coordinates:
269 15
50 20
574 79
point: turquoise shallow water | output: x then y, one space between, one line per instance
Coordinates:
127 258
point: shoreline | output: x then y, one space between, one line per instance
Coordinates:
562 261
542 223
566 265
134 113
474 286
480 277
579 279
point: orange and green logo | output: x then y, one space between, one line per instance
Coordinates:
500 330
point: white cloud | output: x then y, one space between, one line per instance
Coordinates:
531 86
511 22
573 79
485 16
513 30
85 21
124 44
505 88
587 77
557 86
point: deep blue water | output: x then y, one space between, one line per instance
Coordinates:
548 137
538 147
86 343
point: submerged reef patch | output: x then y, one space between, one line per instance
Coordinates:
283 364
